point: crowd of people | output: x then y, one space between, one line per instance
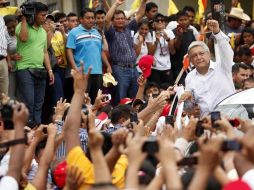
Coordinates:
89 101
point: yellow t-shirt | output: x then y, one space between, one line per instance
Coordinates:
30 187
58 46
76 157
8 11
118 174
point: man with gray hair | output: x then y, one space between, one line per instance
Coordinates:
210 82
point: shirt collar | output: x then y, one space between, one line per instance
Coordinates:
212 66
83 28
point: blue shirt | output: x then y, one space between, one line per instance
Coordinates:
87 47
120 43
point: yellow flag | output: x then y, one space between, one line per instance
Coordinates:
172 9
201 10
91 4
232 40
135 5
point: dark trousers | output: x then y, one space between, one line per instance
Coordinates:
161 77
32 92
127 82
94 84
58 88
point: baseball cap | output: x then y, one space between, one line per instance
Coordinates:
237 184
108 79
60 174
145 64
126 101
166 110
100 120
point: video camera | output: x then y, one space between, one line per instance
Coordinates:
5 4
28 10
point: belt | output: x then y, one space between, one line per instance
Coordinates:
125 65
2 57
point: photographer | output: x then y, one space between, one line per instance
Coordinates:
30 70
12 178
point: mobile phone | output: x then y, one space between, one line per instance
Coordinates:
134 117
169 119
188 161
231 145
107 98
151 146
85 110
215 115
234 122
44 130
199 129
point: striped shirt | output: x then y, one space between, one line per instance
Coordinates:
121 46
3 39
83 135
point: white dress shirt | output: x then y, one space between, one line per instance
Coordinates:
3 40
209 89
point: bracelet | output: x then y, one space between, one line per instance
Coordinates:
50 70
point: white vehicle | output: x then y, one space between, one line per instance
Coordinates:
240 104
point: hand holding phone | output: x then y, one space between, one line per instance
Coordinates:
169 119
215 115
151 146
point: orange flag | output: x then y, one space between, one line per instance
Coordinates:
186 62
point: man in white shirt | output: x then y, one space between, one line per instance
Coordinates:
210 82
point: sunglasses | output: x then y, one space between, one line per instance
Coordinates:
160 20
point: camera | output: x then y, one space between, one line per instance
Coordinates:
215 115
28 10
6 114
151 146
169 119
231 145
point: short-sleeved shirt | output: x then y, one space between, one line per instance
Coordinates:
121 46
32 51
162 55
87 47
58 45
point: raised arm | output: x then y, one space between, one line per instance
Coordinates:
111 12
141 11
40 179
20 117
72 123
223 50
23 34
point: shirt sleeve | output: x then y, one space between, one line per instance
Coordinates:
223 52
133 25
135 39
149 38
170 34
8 182
71 41
110 33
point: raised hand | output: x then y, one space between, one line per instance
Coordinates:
74 178
213 25
80 78
20 114
119 2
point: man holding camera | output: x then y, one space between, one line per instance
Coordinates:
30 70
210 82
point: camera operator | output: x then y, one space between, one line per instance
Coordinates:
33 68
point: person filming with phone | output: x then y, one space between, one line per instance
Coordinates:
210 82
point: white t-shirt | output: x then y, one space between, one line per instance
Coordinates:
173 24
8 182
144 49
162 55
